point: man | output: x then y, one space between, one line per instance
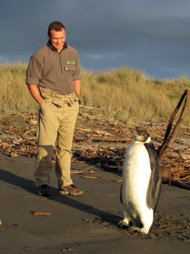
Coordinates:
53 79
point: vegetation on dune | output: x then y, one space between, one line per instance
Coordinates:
122 94
14 92
126 94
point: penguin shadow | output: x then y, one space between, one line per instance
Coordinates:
28 186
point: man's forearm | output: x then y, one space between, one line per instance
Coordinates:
77 87
35 92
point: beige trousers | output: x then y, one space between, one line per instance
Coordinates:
57 118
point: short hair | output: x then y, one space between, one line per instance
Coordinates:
55 25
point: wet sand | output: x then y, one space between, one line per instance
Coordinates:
84 224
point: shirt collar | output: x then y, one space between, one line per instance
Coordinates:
53 48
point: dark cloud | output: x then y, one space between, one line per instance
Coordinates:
148 35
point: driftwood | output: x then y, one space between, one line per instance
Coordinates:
170 181
119 140
170 137
185 155
175 163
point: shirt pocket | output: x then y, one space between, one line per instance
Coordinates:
69 67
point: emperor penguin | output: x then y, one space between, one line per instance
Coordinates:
141 183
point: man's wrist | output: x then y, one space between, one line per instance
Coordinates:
40 102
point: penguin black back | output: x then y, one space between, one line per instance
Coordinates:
154 188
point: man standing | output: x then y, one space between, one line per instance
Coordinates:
53 78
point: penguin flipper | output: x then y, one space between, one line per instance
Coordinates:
154 188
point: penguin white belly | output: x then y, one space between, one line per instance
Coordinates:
136 176
136 173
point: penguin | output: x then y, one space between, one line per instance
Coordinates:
141 184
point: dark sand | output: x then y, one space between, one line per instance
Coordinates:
85 224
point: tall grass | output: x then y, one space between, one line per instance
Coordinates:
126 94
122 94
14 92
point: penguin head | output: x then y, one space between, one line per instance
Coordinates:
142 135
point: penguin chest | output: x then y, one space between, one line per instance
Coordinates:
136 174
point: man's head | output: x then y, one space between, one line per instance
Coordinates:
57 35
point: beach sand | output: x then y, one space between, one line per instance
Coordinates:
83 224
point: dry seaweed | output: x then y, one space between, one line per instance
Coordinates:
98 142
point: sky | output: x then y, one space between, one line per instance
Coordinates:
147 35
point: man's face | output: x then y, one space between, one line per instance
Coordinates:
57 39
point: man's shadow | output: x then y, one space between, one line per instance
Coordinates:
28 185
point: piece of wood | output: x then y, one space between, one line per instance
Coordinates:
185 155
119 140
170 136
170 181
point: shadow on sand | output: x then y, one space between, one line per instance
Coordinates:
28 185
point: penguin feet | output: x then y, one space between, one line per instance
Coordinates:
123 222
140 230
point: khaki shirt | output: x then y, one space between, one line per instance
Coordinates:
53 70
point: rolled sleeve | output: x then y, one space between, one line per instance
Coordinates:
34 71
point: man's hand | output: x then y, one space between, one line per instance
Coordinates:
35 92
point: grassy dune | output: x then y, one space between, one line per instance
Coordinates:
14 92
122 94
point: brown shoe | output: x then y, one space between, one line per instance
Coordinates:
43 190
70 190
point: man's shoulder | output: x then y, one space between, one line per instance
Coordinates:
72 49
41 52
